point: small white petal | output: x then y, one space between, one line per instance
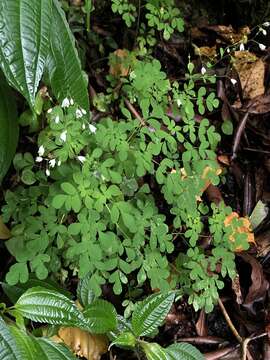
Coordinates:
59 162
81 158
178 101
49 111
65 103
92 128
71 101
262 47
233 81
39 159
228 50
84 111
41 150
47 172
83 126
79 114
266 24
264 32
242 47
57 119
203 70
63 136
52 163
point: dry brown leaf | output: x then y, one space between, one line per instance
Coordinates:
245 228
4 231
206 51
251 71
82 343
119 65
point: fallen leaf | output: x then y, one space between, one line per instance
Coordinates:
237 289
258 214
244 228
251 71
201 325
206 51
4 231
259 285
82 343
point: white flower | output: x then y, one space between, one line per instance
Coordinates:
59 162
81 159
71 101
47 172
203 70
39 159
57 119
49 111
83 126
264 32
84 111
63 136
52 163
262 47
79 114
228 50
92 128
242 47
65 103
41 150
178 101
266 24
233 81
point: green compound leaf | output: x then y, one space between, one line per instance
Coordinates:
183 351
25 28
49 306
8 347
101 317
64 67
150 313
9 126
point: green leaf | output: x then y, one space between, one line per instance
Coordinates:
151 312
8 124
24 42
84 293
49 306
27 349
125 339
101 317
55 351
183 351
227 127
64 67
8 347
15 291
154 351
68 188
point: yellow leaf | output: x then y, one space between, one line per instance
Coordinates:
83 343
4 231
245 228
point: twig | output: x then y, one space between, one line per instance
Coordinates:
245 344
134 112
229 322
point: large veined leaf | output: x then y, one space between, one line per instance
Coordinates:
84 293
8 347
25 28
150 313
101 317
8 126
154 351
31 348
183 351
55 351
64 67
49 306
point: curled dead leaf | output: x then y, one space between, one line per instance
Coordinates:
82 343
4 231
244 228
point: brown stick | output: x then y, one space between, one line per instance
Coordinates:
134 112
229 322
